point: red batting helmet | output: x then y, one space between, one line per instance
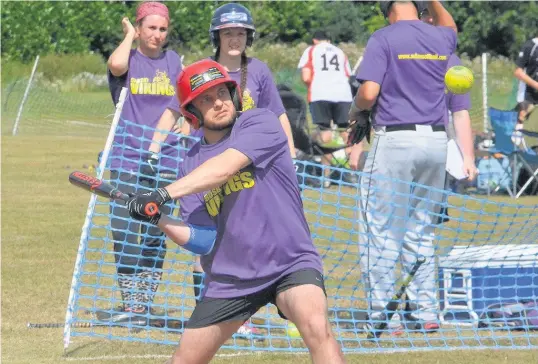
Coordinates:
195 80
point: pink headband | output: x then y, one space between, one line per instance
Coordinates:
151 8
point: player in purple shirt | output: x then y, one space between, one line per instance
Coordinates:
240 179
231 31
149 73
402 73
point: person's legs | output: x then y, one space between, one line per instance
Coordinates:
153 243
425 207
309 315
199 345
321 117
341 118
213 321
384 203
125 233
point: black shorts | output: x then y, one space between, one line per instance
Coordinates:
324 111
210 311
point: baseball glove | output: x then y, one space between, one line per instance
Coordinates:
360 128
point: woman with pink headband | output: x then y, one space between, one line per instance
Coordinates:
149 73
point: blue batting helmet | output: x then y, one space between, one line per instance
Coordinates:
231 15
385 7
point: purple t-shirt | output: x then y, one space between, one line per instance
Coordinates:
456 102
261 91
262 233
152 88
409 60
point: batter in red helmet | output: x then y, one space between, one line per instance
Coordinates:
240 179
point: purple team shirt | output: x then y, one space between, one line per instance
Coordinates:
152 88
456 102
262 233
261 91
409 60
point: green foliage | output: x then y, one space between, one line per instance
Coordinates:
32 28
496 27
61 67
74 27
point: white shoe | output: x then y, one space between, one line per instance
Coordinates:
248 332
244 330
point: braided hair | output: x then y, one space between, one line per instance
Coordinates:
244 68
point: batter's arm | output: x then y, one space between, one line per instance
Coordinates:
211 174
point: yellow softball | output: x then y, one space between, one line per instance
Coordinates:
292 331
459 80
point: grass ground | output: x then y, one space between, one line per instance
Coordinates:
41 223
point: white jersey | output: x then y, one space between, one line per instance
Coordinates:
330 73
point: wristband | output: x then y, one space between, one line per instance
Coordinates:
202 239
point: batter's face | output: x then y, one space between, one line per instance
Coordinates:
233 41
216 107
152 32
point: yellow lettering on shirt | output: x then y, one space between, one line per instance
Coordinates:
160 85
427 57
238 182
247 179
248 101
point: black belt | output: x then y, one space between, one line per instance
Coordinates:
412 127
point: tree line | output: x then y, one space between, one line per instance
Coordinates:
73 27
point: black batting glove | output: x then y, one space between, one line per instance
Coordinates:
354 112
360 128
150 168
136 212
142 206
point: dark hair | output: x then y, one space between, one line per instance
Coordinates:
320 35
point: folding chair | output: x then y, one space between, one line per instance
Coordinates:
504 125
305 139
534 175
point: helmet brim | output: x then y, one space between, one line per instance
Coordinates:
206 86
233 25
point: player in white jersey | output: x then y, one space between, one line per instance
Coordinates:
325 70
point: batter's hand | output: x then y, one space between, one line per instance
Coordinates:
139 202
136 212
128 28
141 205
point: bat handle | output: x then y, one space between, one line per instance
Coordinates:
151 209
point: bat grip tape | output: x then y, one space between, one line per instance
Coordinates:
151 209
